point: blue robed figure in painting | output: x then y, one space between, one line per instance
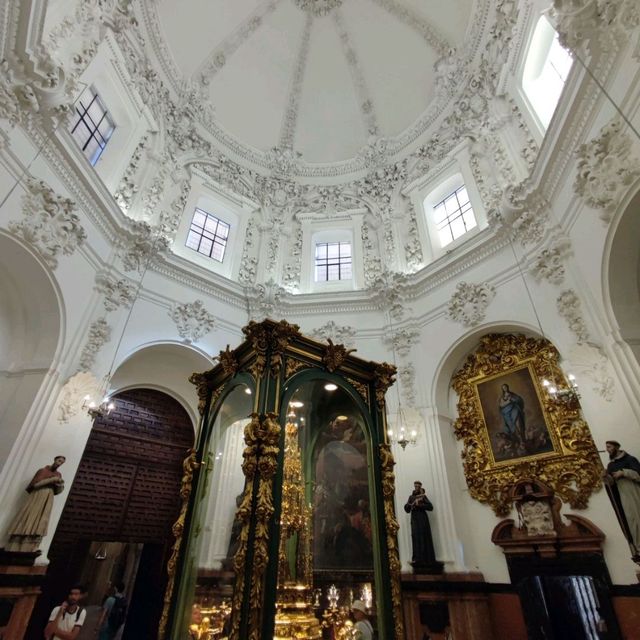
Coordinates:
512 410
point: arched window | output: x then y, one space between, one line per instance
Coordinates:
546 69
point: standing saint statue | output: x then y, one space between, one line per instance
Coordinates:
623 478
31 523
424 555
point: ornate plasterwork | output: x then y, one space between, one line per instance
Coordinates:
50 224
318 8
290 118
140 245
77 387
401 342
192 320
263 299
388 291
413 246
128 186
570 308
365 99
416 21
339 334
116 293
195 92
589 22
219 56
589 361
607 166
549 264
468 304
98 335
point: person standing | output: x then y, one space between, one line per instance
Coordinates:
32 521
417 505
364 630
623 476
114 612
67 619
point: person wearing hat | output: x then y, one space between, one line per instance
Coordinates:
364 630
623 476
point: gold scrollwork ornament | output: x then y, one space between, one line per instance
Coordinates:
572 469
388 491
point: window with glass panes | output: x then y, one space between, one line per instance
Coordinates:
453 216
333 261
91 125
208 235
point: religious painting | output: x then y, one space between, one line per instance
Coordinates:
513 415
512 428
341 516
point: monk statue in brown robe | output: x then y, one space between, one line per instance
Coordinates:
31 523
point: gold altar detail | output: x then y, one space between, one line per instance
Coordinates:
294 603
547 440
280 529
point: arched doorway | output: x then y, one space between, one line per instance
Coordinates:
30 327
116 524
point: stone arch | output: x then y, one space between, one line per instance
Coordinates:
441 392
165 366
31 329
621 274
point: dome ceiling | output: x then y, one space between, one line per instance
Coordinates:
322 77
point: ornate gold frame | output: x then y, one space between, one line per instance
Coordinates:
573 469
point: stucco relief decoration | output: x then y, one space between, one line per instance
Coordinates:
607 166
318 8
550 441
116 293
583 21
50 224
339 334
75 389
192 320
264 298
468 304
588 361
570 308
389 290
139 246
549 264
99 334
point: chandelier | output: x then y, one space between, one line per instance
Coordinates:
566 395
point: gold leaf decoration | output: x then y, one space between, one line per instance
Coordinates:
572 469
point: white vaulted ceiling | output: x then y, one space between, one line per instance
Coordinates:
322 77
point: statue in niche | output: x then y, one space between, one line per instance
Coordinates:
424 555
32 521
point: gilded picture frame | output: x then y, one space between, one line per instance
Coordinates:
511 427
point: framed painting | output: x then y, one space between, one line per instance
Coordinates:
512 428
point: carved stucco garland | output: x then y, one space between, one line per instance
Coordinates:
468 304
192 320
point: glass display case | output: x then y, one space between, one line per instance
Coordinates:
288 527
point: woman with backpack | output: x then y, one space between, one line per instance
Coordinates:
114 612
